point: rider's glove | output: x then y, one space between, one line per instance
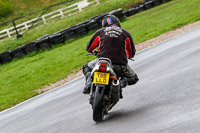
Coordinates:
95 52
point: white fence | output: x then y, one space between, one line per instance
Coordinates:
62 12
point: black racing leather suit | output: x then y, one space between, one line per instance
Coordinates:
114 43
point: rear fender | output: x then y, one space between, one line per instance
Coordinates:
94 86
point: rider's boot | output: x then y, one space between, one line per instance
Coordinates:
88 83
133 80
128 81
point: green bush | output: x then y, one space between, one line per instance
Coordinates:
5 8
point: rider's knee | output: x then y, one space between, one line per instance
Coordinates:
133 80
86 69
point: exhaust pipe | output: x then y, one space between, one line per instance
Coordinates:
115 82
115 90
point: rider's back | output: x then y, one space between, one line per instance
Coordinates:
114 43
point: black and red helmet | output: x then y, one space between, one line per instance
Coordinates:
109 20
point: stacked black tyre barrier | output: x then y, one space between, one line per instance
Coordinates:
56 38
81 29
43 42
68 33
5 57
17 53
30 47
92 25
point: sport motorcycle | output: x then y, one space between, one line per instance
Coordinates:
105 89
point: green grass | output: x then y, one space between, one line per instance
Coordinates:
55 26
20 78
6 8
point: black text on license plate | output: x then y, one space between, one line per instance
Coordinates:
101 78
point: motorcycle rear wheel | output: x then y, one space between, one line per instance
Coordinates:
98 104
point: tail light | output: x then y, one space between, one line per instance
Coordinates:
102 67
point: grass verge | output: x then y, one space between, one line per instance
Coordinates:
20 78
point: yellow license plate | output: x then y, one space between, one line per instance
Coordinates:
101 78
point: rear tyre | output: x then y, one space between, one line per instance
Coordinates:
98 106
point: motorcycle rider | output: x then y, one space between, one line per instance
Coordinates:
114 43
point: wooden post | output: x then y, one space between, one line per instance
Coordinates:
79 7
61 13
44 20
8 33
26 26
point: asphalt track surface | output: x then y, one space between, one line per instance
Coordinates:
165 100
